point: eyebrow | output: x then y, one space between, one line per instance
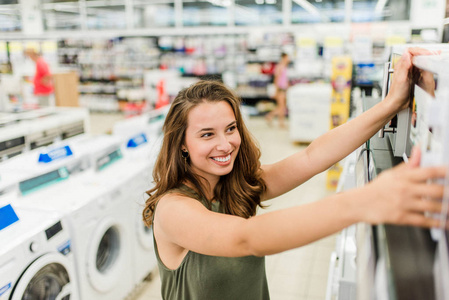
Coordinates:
211 129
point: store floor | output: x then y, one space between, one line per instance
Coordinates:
299 274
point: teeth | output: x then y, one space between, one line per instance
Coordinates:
222 159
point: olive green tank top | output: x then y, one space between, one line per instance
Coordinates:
204 277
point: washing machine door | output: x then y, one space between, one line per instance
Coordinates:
144 236
48 277
106 257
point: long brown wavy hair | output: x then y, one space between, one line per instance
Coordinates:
239 192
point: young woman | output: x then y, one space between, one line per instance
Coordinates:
281 83
208 240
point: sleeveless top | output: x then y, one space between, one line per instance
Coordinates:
282 80
204 277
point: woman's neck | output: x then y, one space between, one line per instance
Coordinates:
208 188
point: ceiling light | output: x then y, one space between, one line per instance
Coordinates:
259 2
380 6
224 3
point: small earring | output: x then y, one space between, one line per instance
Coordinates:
185 155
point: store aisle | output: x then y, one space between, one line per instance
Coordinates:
299 274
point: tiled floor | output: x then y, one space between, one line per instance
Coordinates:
299 274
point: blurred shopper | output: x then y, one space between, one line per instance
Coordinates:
43 81
209 182
281 84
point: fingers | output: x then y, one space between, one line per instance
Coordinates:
425 206
415 157
421 220
424 174
415 51
432 191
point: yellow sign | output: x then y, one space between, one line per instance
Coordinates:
395 40
306 42
341 78
49 47
333 41
33 45
15 47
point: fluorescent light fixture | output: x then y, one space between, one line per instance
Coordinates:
224 3
259 2
380 6
308 7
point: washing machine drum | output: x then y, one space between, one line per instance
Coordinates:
47 283
106 258
44 279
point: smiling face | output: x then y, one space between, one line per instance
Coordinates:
212 139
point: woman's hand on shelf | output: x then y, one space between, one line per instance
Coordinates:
405 195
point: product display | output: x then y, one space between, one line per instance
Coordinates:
74 174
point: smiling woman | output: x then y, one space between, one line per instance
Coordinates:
209 182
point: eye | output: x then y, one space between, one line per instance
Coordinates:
232 128
207 134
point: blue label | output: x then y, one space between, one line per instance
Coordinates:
65 248
7 216
137 140
55 154
5 288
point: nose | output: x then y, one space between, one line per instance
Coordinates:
224 144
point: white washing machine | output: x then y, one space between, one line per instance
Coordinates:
142 139
49 162
144 258
140 130
99 220
133 176
13 140
36 259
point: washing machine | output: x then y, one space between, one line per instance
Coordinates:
134 177
95 203
142 138
143 258
52 164
142 135
36 257
13 140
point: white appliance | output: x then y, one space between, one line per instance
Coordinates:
142 135
13 140
36 258
142 138
99 220
309 110
429 128
134 178
399 126
63 161
143 256
36 128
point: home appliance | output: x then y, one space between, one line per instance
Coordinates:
13 140
143 256
36 257
142 135
399 129
51 164
32 129
142 138
429 129
98 216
